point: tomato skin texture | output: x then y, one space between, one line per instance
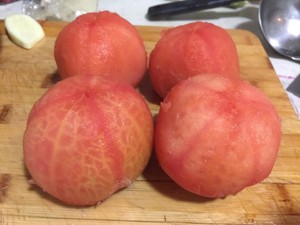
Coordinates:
86 138
103 44
190 50
214 136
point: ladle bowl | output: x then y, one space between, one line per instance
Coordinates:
279 21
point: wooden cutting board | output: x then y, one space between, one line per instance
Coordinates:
153 199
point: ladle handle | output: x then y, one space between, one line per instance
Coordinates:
170 9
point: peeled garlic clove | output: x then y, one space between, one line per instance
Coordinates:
24 30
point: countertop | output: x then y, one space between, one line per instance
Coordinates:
243 18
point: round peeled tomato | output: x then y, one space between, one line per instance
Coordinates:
189 50
214 136
103 44
86 138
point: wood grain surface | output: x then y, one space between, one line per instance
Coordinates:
153 198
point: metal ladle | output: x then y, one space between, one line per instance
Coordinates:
280 24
